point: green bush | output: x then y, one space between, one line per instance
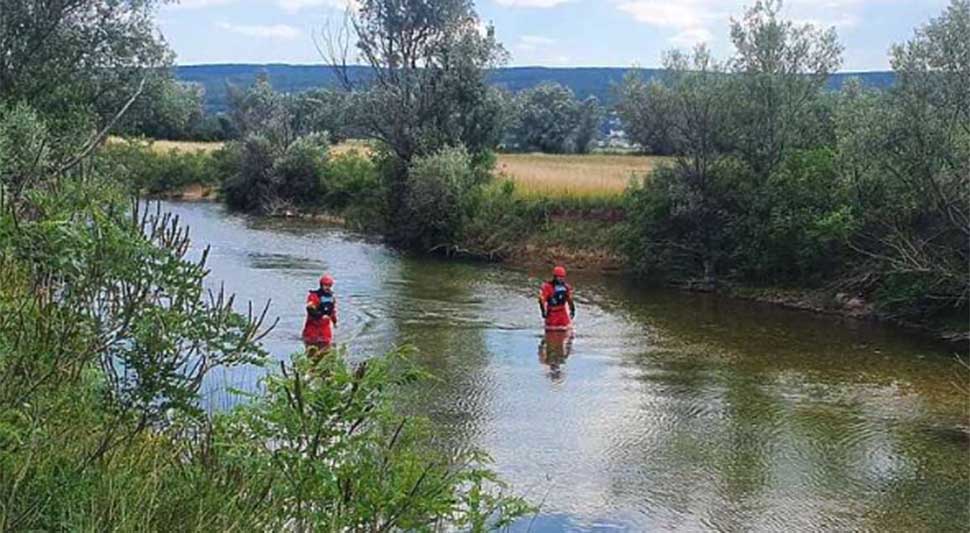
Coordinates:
795 227
300 171
354 189
147 171
441 196
262 176
252 185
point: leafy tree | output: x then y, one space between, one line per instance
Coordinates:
427 80
546 119
781 69
426 86
588 126
84 54
680 216
259 110
167 109
910 155
641 106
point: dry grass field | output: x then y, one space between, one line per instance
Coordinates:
536 175
587 175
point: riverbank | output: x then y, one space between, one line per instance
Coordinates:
523 222
588 245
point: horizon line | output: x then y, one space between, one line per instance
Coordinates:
549 67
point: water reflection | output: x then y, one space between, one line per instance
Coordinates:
554 349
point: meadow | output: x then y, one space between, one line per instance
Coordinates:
536 175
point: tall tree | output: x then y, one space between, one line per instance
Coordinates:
90 54
546 118
680 216
426 88
641 105
918 148
588 125
782 69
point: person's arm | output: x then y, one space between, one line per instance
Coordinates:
542 302
312 301
572 306
333 317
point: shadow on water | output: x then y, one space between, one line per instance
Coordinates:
664 411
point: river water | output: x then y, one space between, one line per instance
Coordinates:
665 411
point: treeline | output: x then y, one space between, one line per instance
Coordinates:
546 118
777 181
107 335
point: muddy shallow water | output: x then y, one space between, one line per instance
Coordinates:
665 411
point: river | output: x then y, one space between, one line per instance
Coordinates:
665 411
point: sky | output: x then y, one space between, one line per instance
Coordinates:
555 33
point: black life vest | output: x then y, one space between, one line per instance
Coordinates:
325 308
559 292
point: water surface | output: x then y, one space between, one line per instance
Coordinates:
665 411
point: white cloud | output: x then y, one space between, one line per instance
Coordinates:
530 43
531 3
199 4
694 21
537 40
274 31
682 16
294 6
692 36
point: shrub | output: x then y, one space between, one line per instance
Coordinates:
440 198
354 188
299 172
147 171
794 228
252 185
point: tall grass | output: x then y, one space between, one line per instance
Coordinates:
573 176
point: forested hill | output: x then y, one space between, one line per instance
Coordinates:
295 78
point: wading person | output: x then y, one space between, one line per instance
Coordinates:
321 315
554 297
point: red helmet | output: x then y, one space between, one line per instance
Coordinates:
326 280
559 272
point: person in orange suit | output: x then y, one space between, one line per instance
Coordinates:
321 315
555 297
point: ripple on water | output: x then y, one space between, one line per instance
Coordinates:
671 411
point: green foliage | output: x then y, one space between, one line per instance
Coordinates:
299 172
148 171
354 188
252 186
326 433
260 111
167 109
642 107
780 69
548 118
795 228
440 199
909 156
106 335
83 55
779 183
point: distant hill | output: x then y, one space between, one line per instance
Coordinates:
584 81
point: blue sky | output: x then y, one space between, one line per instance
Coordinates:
541 32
